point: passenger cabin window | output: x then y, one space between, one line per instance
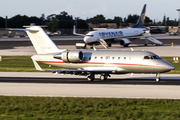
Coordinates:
118 58
101 58
95 58
112 58
152 57
124 58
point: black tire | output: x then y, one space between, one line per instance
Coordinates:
89 78
103 77
158 79
126 45
109 45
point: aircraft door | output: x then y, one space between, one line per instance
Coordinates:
107 60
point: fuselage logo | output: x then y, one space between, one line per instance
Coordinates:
110 34
143 17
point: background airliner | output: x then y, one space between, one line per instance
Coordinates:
123 36
92 62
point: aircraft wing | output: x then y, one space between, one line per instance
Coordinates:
76 70
86 70
74 32
145 36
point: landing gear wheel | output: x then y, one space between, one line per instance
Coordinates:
91 77
126 45
103 77
158 77
109 45
145 44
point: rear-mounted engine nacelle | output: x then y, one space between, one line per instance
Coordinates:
70 56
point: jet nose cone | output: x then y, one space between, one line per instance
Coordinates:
172 68
169 67
85 39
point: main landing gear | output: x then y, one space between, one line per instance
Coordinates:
103 77
91 77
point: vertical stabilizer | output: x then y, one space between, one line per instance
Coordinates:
40 40
140 22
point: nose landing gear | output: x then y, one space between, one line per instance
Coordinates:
158 77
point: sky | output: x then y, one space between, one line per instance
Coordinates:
84 9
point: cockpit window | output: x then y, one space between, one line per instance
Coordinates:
152 57
156 57
90 35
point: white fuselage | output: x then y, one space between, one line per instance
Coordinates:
111 60
115 34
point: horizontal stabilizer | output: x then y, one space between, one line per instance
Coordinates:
16 29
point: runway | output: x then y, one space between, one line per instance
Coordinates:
119 86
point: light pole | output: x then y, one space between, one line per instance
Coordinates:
178 17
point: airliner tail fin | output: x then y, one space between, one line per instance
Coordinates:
140 22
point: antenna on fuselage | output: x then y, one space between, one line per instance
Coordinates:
94 47
132 49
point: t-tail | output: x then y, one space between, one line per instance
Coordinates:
140 22
40 40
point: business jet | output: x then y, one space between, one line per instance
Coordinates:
90 62
123 36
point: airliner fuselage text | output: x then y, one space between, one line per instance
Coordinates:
112 34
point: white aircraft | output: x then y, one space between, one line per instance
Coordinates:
92 62
123 36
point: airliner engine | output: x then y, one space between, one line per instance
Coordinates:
124 41
70 56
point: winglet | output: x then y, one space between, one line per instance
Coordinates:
37 65
74 32
140 22
74 29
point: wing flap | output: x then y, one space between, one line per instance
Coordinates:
89 69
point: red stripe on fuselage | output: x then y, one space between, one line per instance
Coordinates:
99 63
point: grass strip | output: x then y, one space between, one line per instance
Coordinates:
58 108
20 64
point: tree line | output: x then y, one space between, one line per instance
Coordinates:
66 21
